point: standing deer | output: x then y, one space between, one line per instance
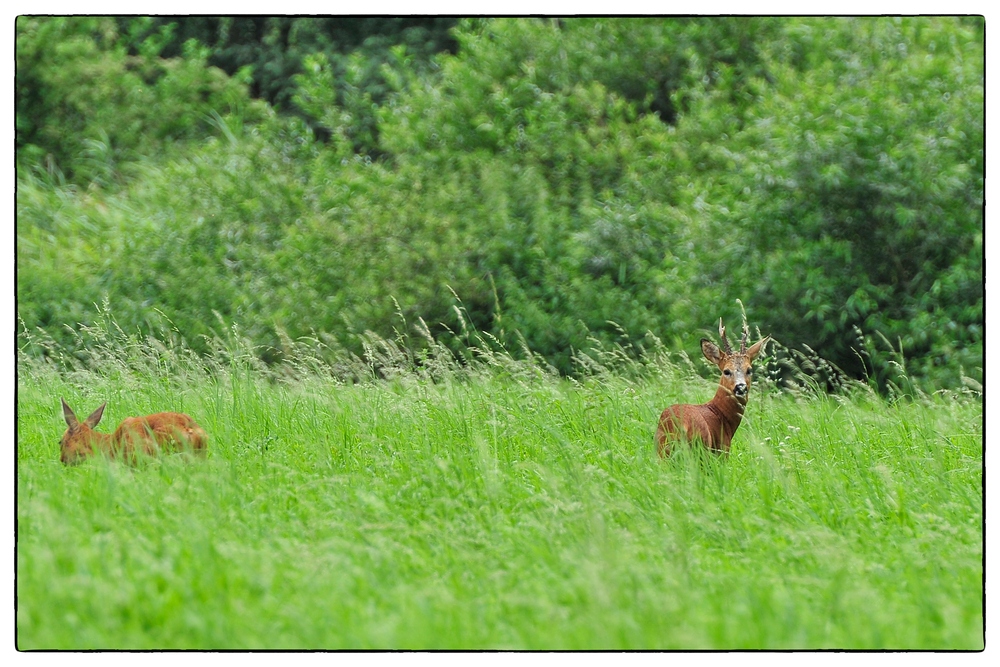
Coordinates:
715 422
169 431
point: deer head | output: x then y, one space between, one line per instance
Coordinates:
736 367
79 439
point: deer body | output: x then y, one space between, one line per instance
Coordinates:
713 423
149 435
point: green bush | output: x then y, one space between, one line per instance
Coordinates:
188 240
274 51
851 194
520 198
550 184
87 107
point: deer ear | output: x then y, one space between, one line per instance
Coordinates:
68 415
711 351
95 416
757 347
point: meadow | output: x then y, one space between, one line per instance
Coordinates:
390 264
490 503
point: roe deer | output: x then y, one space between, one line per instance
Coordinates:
715 422
169 431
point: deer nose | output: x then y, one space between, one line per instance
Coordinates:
740 389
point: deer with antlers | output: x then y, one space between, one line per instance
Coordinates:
715 422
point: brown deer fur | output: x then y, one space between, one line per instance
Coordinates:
715 422
164 431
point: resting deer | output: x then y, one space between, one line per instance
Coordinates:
715 422
167 431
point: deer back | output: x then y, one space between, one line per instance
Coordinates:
163 431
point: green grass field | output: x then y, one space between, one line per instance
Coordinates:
498 507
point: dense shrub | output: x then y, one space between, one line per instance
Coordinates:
86 108
553 181
274 50
851 193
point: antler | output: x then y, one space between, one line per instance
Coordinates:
743 342
725 341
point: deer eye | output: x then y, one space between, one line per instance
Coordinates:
749 371
727 372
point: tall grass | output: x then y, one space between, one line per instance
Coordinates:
489 503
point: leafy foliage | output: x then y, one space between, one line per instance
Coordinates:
865 211
276 50
86 108
552 182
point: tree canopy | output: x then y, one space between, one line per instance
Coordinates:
557 181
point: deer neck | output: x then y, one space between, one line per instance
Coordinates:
728 408
100 442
